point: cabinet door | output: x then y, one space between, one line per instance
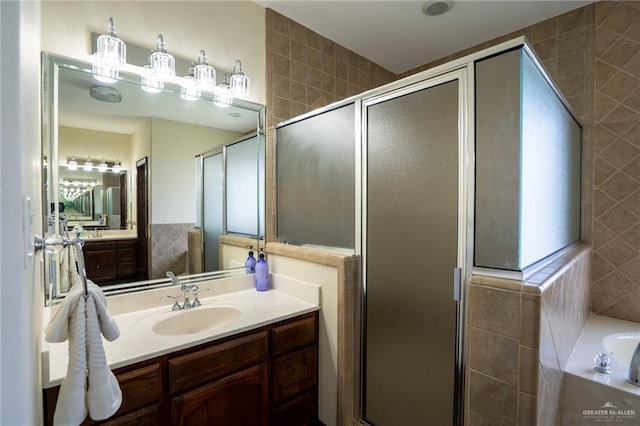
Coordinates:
102 265
239 399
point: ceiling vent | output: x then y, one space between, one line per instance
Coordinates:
436 8
105 94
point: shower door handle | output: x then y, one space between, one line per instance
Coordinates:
457 283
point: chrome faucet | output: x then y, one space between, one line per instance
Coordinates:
184 288
634 367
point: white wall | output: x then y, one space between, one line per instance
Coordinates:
110 146
20 289
226 30
172 171
327 278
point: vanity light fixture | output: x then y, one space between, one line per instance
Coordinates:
116 168
111 54
72 164
239 81
190 90
88 165
102 167
223 96
163 64
204 73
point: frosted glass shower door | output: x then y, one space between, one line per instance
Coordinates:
212 209
411 251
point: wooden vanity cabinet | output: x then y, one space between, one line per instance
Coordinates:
141 386
111 261
262 377
294 386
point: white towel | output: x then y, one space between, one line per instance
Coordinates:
81 322
68 270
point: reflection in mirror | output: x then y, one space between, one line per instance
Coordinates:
137 204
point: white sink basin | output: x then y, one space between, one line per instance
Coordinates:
191 321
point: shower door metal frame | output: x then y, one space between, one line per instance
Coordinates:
463 73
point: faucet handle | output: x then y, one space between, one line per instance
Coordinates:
176 305
196 292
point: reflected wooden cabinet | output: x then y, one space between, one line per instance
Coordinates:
263 377
111 261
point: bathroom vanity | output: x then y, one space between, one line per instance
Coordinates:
111 260
258 368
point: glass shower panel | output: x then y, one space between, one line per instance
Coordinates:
242 187
261 184
411 252
212 216
551 158
315 179
528 161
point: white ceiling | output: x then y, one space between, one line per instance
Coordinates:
398 36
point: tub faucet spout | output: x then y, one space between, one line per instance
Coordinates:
634 367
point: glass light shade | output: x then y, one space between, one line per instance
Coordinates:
102 167
116 167
162 63
223 95
189 90
204 73
150 82
110 55
110 49
88 165
239 81
104 73
72 164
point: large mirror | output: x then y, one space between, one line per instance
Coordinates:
142 205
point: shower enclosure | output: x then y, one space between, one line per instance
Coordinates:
472 167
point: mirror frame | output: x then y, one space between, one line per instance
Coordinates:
51 64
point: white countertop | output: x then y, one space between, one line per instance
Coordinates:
137 342
589 344
109 234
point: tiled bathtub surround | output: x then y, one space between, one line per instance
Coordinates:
586 389
168 248
519 339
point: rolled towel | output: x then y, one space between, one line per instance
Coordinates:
104 396
71 408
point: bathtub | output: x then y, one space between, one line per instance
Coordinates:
621 346
590 397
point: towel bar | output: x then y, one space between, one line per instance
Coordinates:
53 241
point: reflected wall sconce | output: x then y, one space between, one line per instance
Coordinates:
72 164
88 165
223 97
111 54
103 166
150 82
190 90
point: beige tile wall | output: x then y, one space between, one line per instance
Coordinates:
168 249
616 235
516 354
306 71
